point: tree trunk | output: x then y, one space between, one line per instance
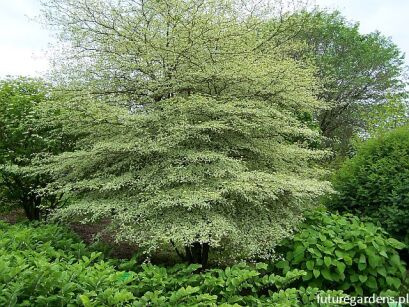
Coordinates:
197 253
31 206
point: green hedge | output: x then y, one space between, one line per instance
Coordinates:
375 182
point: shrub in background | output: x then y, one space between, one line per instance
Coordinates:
342 252
375 182
21 138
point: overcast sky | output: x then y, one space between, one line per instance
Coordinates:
23 42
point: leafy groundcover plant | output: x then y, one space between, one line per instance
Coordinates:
342 252
46 266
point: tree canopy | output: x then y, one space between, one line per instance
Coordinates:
138 52
207 137
18 98
359 74
23 136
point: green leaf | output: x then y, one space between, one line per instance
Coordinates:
396 244
396 283
337 276
362 258
326 274
348 246
382 271
314 251
374 260
339 254
395 260
327 261
348 260
371 282
341 267
393 282
282 264
345 286
362 245
354 278
358 290
299 254
316 273
383 253
362 266
308 276
310 264
261 266
85 300
363 278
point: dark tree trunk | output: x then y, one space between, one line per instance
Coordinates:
205 254
197 253
31 206
188 255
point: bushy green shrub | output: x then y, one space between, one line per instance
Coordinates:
36 272
342 252
22 136
49 239
375 182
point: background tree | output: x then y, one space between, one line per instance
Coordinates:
21 138
18 96
359 73
212 149
381 118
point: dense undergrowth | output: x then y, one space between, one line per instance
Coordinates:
44 265
342 252
47 265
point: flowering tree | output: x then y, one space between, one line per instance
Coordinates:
200 134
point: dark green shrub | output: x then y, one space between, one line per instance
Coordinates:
341 252
375 182
36 272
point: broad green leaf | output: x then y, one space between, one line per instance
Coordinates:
371 282
363 278
326 274
310 264
340 266
327 261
